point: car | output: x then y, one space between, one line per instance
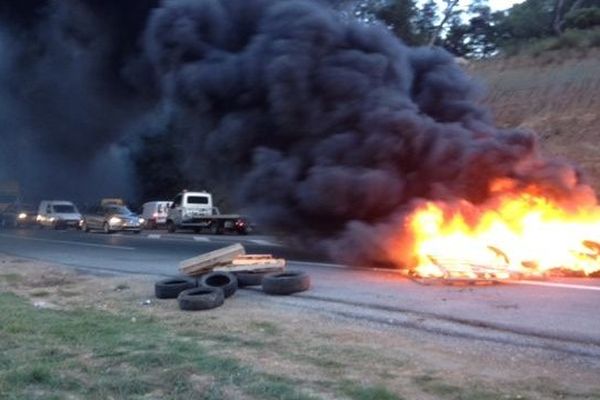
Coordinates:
111 218
58 214
18 215
155 213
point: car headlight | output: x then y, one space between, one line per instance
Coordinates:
114 220
22 216
142 220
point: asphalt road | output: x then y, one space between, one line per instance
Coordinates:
559 315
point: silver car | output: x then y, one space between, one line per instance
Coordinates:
112 218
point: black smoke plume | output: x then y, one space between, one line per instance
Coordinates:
314 124
73 84
328 128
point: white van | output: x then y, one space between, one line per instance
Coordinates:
58 214
155 213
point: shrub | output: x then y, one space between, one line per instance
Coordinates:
583 18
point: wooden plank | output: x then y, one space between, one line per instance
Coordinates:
253 259
206 262
253 256
277 264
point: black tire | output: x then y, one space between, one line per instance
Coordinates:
201 298
215 228
250 278
106 228
170 288
286 282
225 281
137 232
171 227
85 227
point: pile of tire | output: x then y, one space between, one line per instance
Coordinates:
210 290
205 293
278 283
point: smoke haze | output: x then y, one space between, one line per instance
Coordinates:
314 124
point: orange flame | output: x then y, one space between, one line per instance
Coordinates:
518 233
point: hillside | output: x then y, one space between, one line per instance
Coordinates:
556 94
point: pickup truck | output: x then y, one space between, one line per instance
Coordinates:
195 210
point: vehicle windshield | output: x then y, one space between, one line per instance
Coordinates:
64 209
119 210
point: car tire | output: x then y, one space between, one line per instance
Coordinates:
171 228
170 288
85 227
225 281
283 283
201 298
215 228
106 228
137 232
250 278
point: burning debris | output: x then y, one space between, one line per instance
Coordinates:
516 233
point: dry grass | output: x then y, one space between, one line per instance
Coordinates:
556 94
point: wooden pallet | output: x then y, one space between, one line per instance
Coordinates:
254 265
207 262
231 259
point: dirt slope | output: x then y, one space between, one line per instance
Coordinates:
556 94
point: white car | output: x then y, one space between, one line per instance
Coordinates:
58 214
155 213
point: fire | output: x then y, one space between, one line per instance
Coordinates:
517 233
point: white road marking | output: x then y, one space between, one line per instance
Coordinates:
262 242
70 242
154 236
201 239
557 284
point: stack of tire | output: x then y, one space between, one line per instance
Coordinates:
210 290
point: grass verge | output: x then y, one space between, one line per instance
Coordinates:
49 354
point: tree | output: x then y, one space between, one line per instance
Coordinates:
398 15
425 21
448 13
474 36
558 22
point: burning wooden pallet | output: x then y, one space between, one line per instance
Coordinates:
464 272
231 259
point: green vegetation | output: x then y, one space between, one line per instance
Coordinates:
477 31
53 354
572 39
11 278
443 390
369 393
